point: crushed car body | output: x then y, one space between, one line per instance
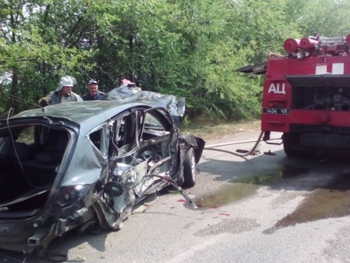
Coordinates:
83 164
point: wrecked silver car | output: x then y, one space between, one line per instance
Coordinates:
82 164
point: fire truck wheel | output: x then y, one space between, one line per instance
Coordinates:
190 169
289 143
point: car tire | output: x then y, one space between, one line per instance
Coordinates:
189 169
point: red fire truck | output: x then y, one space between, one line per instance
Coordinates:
306 95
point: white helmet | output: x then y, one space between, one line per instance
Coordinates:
66 81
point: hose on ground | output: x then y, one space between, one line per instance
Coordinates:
256 145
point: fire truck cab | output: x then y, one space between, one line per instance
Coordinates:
306 95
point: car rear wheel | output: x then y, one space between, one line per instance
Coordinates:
190 169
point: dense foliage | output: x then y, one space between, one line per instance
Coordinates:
180 47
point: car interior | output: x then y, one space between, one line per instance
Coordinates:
30 156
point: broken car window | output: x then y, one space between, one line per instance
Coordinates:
99 139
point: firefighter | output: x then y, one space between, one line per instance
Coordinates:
62 94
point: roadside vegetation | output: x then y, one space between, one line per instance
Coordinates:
185 48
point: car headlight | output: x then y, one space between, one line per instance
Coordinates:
70 194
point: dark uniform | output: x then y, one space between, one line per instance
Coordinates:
98 96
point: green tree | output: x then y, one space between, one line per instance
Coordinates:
328 18
180 47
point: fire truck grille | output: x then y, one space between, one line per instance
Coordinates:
316 136
303 128
319 140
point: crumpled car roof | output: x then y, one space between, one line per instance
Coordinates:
117 99
124 94
75 111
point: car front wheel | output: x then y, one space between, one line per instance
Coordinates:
190 169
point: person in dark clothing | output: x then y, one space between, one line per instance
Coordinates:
94 93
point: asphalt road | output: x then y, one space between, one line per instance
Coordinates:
267 208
